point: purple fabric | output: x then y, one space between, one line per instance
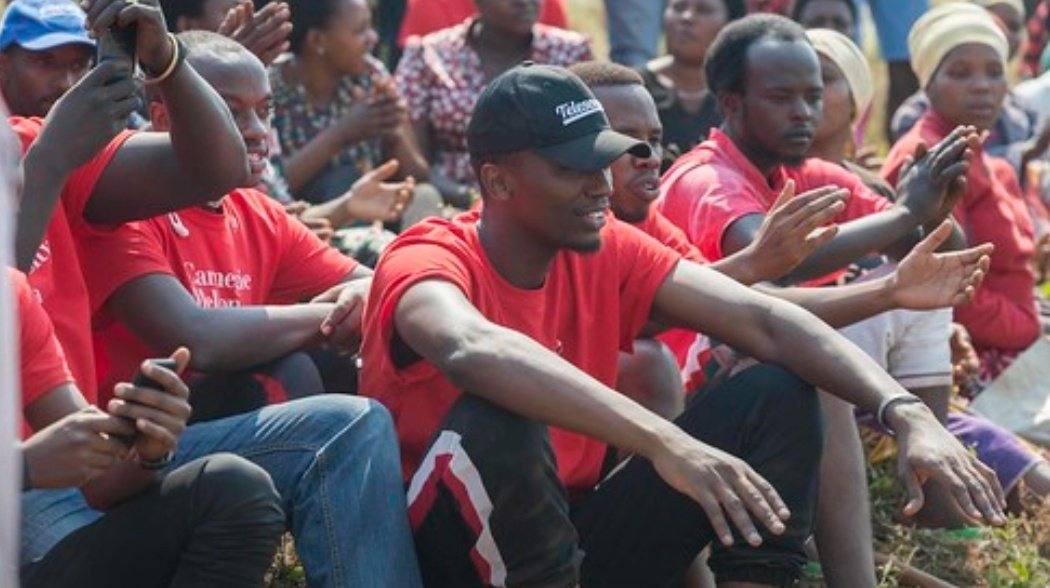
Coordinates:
996 447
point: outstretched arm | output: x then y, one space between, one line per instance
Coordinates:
779 332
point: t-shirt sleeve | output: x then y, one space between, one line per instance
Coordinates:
719 204
43 364
403 266
922 357
658 227
115 257
644 265
81 184
308 265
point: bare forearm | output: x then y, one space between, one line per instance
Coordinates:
738 266
839 306
774 331
303 165
516 373
204 136
855 239
334 211
230 339
405 149
42 190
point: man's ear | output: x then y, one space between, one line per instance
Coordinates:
494 181
730 104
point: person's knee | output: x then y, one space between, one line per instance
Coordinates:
649 376
231 487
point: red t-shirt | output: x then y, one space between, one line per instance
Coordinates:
656 225
714 185
590 308
426 16
1003 313
251 253
43 365
56 273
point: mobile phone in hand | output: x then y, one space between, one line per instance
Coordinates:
141 380
118 43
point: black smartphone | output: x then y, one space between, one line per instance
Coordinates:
118 43
141 380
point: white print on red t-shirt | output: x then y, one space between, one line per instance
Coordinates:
42 256
214 289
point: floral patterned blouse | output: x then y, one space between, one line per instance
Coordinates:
297 121
440 77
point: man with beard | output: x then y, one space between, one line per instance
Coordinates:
493 338
766 78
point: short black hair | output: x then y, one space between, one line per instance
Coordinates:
796 10
176 9
726 63
603 74
308 15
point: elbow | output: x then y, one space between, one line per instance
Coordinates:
461 355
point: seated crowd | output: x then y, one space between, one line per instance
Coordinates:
508 316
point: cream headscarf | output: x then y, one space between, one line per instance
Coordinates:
1017 4
845 54
946 27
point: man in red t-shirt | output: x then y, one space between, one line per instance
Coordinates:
158 526
83 172
784 239
240 265
766 78
525 306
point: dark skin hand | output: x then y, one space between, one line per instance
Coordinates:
264 32
202 158
79 125
929 187
76 444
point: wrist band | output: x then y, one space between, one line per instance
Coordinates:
178 55
887 403
158 464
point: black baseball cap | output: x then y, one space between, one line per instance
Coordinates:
548 110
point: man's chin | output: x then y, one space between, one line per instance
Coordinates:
586 245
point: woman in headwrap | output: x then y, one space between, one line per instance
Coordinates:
1015 134
906 343
848 92
959 55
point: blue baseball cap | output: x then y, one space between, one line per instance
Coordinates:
38 25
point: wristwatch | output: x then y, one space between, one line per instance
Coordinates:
158 464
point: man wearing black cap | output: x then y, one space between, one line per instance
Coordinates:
525 305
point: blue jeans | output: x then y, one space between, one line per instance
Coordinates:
635 27
334 460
